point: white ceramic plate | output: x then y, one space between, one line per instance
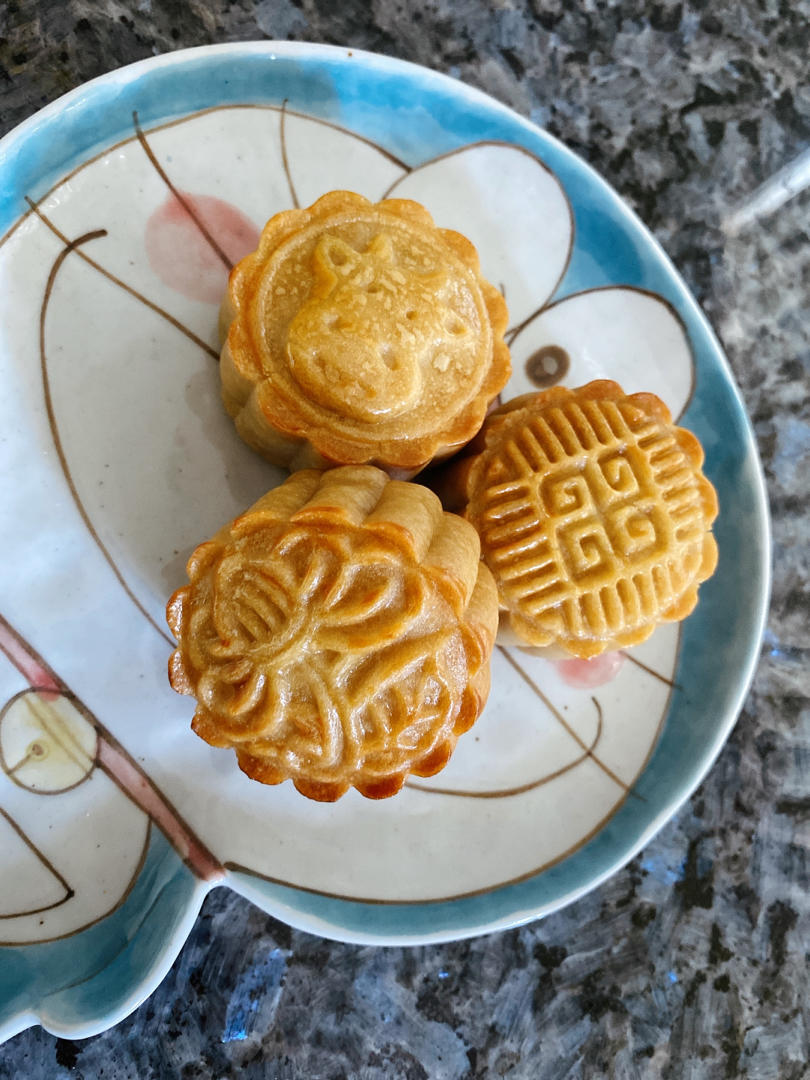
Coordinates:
122 207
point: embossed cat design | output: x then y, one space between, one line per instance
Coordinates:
361 340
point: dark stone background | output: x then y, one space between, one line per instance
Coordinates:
692 961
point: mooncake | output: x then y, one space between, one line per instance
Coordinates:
360 333
338 633
594 516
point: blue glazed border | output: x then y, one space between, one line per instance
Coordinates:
416 115
77 985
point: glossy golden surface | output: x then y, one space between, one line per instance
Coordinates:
338 633
593 513
360 332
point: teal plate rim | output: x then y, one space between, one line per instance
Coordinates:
127 954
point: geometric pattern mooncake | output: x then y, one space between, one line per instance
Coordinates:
593 513
360 333
338 633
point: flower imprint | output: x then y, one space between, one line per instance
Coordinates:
338 633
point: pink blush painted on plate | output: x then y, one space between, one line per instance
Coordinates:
588 674
192 241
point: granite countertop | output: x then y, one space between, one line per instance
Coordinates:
691 961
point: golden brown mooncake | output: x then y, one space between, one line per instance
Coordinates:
593 513
338 633
360 333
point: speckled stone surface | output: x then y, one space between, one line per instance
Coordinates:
692 962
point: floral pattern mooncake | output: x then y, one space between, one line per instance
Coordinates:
337 634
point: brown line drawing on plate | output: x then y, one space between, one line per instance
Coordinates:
57 440
46 862
506 793
233 867
46 691
24 760
547 366
120 766
513 331
184 120
123 285
43 681
130 939
28 662
189 209
650 671
92 922
555 712
282 129
55 728
11 644
512 334
60 734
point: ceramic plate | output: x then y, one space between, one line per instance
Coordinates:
122 207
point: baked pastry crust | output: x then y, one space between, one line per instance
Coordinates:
593 513
338 633
360 333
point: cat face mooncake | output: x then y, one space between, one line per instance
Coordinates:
360 332
593 513
337 634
